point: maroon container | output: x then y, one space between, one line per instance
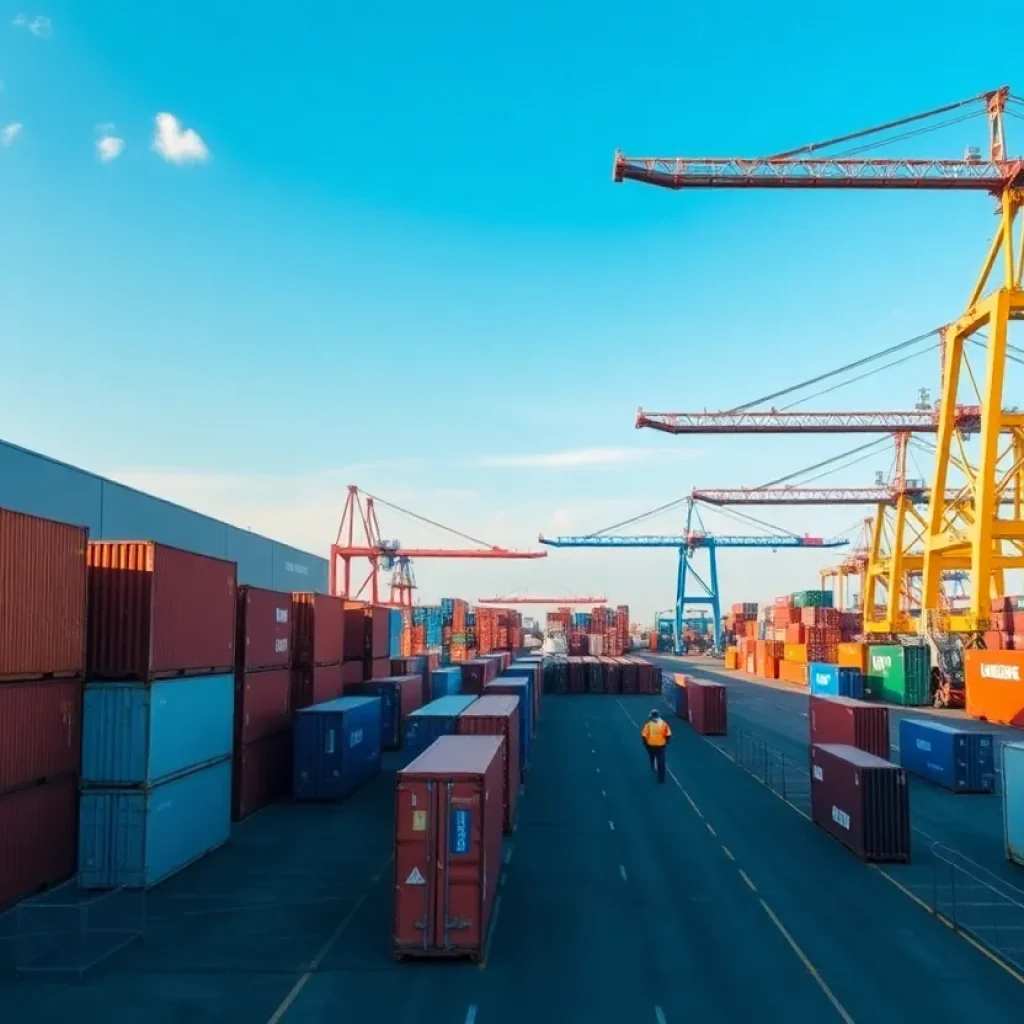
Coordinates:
262 774
862 801
263 704
474 676
355 645
157 612
446 881
706 703
318 629
38 838
612 675
42 597
379 668
411 667
351 673
380 631
264 629
40 731
577 676
315 685
848 722
498 716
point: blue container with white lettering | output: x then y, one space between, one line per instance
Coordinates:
445 682
336 747
832 681
957 759
438 718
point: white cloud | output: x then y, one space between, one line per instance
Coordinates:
178 145
109 147
40 25
576 457
11 132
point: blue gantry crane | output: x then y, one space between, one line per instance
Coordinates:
687 544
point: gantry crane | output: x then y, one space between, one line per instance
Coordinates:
562 602
965 532
359 520
686 544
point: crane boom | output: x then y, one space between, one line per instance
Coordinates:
690 540
918 421
820 495
543 600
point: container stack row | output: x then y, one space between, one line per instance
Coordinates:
623 675
42 667
700 702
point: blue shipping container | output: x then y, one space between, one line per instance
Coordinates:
445 682
957 759
1013 801
832 681
524 688
394 633
139 837
336 747
134 734
438 718
389 694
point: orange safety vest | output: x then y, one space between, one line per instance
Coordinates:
656 734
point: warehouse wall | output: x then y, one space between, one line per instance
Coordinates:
40 486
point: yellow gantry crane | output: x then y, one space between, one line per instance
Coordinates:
962 529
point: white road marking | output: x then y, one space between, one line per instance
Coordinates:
622 871
611 825
746 878
471 1014
728 852
603 793
710 829
659 1015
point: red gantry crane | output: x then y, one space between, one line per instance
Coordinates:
359 536
963 531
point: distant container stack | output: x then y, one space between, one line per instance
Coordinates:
43 586
263 700
579 675
158 725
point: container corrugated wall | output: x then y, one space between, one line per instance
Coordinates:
264 629
42 597
157 611
40 731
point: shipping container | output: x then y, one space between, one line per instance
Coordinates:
519 687
335 747
673 689
956 759
445 682
995 686
316 685
318 629
38 838
157 612
399 697
42 598
848 722
706 707
534 669
394 633
449 817
862 801
831 680
352 672
262 774
379 632
498 716
356 631
475 675
40 731
377 668
1013 801
264 627
426 724
263 704
135 734
900 675
850 655
139 837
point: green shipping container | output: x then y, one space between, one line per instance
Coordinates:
812 599
900 675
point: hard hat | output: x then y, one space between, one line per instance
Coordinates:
655 713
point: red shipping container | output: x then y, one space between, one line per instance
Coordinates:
498 716
351 673
262 774
157 612
42 597
380 632
862 801
448 847
378 668
264 629
315 685
707 707
355 622
38 838
849 722
40 731
263 704
318 629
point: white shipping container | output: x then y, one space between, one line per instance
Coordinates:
1013 801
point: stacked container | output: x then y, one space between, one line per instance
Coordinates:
158 712
42 663
318 646
899 675
263 700
498 716
428 723
336 747
399 697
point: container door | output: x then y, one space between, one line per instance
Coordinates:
460 867
415 862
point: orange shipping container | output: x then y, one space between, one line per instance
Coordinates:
795 652
852 655
732 658
771 667
750 664
795 634
995 686
793 672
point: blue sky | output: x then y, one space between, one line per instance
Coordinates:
403 261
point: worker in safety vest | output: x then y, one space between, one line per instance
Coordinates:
656 735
